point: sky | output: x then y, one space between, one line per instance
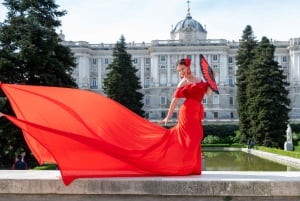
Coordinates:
104 21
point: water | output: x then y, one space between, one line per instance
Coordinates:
240 161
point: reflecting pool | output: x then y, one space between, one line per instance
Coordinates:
240 161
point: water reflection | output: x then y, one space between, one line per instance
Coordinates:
240 161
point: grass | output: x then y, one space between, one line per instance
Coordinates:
46 167
293 154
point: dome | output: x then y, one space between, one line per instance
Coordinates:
188 29
188 24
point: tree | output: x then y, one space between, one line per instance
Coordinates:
30 53
268 105
244 58
121 83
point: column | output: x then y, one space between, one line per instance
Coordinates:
169 70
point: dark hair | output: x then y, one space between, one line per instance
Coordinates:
181 62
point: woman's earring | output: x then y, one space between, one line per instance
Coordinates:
189 72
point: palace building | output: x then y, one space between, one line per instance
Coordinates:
155 62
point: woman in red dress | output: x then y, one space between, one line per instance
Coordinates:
89 135
189 131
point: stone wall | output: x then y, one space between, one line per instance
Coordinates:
210 186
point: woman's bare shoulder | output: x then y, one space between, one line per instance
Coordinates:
182 83
199 79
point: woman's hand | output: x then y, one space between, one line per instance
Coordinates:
164 121
1 114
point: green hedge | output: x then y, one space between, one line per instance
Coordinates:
295 128
297 148
220 130
225 145
221 134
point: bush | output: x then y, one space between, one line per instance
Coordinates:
224 133
236 145
223 130
211 139
219 133
295 127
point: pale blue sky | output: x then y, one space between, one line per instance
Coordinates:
97 21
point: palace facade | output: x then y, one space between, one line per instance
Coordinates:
156 61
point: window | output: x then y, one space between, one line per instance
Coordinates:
204 114
163 114
147 101
147 72
231 100
215 100
215 66
162 59
147 61
135 60
284 59
147 83
204 101
230 60
163 79
162 67
215 57
94 61
231 115
94 83
217 78
230 81
174 78
106 61
163 100
216 115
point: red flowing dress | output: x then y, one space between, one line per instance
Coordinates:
89 135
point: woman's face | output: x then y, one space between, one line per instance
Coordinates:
182 70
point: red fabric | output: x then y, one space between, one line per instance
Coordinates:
89 135
208 74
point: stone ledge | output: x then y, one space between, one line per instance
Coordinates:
209 184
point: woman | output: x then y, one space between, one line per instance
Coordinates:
89 135
189 127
